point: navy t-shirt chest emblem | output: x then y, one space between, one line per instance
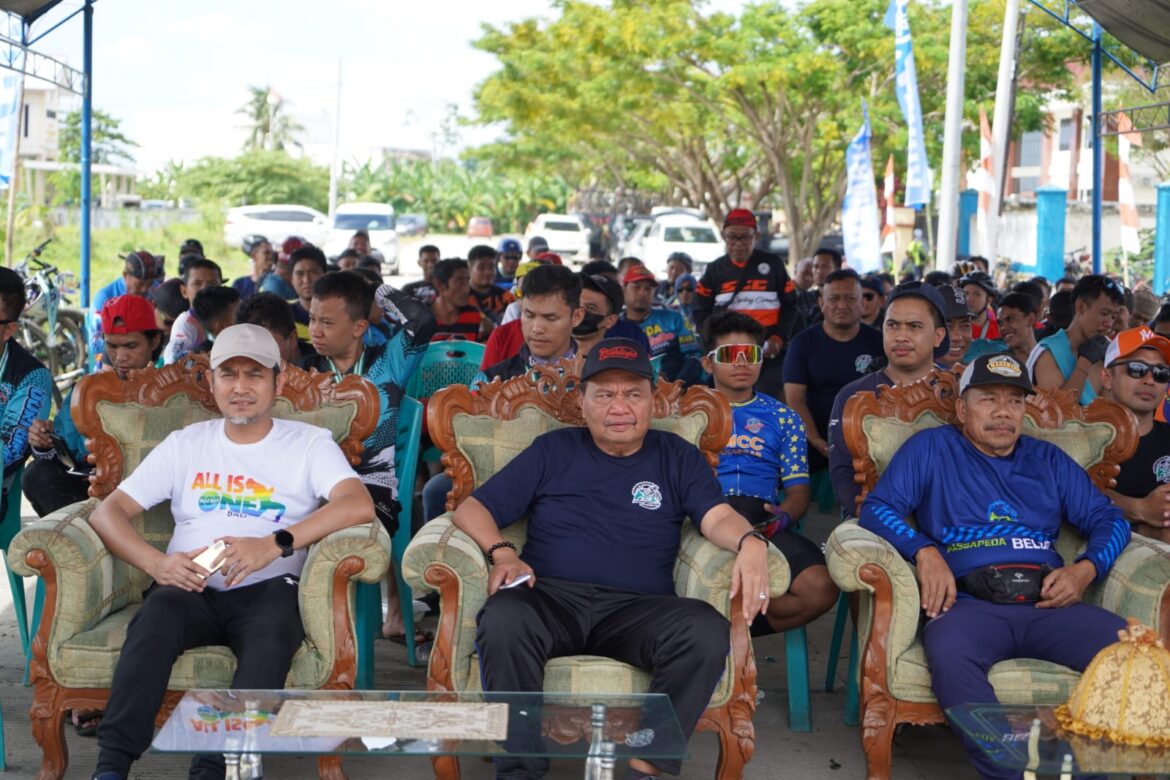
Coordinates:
647 495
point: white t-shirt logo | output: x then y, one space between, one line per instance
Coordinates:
647 495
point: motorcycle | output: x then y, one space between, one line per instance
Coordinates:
55 335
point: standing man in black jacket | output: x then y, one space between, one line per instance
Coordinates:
755 283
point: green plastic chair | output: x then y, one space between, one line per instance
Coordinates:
453 362
368 596
9 527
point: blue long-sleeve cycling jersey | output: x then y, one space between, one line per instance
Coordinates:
669 335
409 324
767 449
26 393
980 510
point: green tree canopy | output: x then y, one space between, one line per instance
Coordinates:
108 145
252 177
714 109
269 125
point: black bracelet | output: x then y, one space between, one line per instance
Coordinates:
496 546
753 532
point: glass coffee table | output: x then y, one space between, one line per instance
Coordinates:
243 725
1028 738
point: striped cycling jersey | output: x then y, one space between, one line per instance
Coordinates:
766 294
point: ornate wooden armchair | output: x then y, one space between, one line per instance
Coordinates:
90 596
479 433
895 681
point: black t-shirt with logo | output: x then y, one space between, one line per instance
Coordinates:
598 519
1149 466
824 365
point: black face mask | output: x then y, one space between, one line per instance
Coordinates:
590 324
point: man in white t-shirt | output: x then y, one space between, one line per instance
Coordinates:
255 482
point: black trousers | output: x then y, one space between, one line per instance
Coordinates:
49 486
682 642
261 624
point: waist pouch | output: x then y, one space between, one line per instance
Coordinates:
1017 583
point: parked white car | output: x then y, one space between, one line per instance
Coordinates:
567 236
377 219
276 222
699 238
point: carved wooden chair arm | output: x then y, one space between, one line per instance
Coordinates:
703 570
856 558
359 553
1138 585
84 580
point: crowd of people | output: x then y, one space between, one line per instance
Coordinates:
787 352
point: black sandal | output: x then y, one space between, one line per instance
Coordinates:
86 723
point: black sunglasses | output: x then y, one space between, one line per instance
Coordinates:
869 296
1136 369
686 289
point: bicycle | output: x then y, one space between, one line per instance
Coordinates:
55 335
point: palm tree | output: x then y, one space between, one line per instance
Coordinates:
269 127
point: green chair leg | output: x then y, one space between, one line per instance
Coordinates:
405 595
853 684
19 607
367 623
796 659
835 644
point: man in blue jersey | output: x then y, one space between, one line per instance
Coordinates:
989 504
339 314
914 336
667 330
766 453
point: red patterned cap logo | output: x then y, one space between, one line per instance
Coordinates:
617 353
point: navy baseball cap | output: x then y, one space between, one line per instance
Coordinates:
622 354
931 295
510 246
873 284
996 369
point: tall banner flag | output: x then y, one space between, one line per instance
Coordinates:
985 186
1131 242
906 88
889 219
859 212
9 103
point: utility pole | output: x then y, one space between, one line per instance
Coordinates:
15 177
333 172
948 202
1002 119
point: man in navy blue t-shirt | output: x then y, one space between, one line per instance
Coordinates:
825 357
606 504
990 504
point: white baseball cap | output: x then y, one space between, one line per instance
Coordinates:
249 341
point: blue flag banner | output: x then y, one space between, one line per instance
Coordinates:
9 102
859 211
906 88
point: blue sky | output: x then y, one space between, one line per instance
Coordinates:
175 71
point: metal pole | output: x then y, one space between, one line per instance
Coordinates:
1001 120
948 200
1098 150
336 146
86 147
15 178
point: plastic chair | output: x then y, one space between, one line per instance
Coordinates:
656 364
453 362
9 527
368 596
852 694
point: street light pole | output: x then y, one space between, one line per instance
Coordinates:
1002 119
948 202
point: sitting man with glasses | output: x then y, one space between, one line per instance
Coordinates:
755 283
1137 376
763 470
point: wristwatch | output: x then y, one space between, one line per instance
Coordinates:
284 540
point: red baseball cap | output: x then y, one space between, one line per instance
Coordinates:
638 273
549 257
740 218
128 314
